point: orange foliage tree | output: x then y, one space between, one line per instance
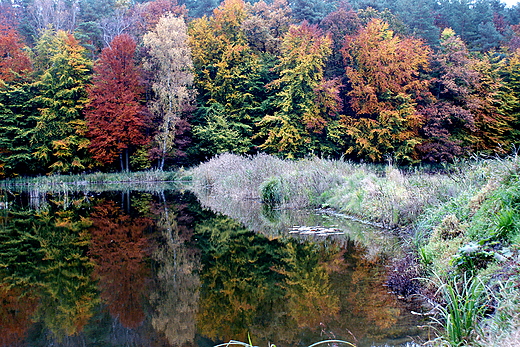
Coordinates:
13 60
383 70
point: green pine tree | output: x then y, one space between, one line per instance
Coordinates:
59 137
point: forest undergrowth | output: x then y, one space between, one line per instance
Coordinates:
461 224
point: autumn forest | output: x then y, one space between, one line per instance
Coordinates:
108 85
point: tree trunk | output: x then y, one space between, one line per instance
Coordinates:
127 161
161 164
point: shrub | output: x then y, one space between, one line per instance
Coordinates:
271 191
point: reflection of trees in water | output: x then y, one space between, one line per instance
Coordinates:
118 248
275 288
16 309
274 222
175 289
311 300
239 288
370 312
268 288
43 253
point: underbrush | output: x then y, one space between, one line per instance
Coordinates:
384 195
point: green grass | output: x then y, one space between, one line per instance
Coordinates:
464 307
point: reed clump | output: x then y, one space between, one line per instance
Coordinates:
292 184
464 306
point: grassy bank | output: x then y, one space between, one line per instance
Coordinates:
462 224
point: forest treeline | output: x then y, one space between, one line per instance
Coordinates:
91 85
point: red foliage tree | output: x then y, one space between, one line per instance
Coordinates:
116 118
13 60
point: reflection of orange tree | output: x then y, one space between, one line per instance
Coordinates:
118 249
367 297
16 310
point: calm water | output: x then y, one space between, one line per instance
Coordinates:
133 268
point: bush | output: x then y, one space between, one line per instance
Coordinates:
271 191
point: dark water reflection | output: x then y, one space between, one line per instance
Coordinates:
156 269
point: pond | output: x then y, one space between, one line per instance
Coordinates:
158 268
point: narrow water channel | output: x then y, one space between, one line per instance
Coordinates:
157 268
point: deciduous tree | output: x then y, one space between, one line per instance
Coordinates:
383 70
266 25
511 75
465 115
229 75
13 59
305 103
116 117
171 65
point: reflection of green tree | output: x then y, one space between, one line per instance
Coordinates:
239 287
308 289
264 287
175 290
46 253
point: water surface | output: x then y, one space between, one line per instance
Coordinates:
138 268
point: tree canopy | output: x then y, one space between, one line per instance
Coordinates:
110 85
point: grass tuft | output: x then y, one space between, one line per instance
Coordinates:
465 306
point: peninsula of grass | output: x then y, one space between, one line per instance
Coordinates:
460 226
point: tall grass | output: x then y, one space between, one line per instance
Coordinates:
502 329
464 307
384 195
294 184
